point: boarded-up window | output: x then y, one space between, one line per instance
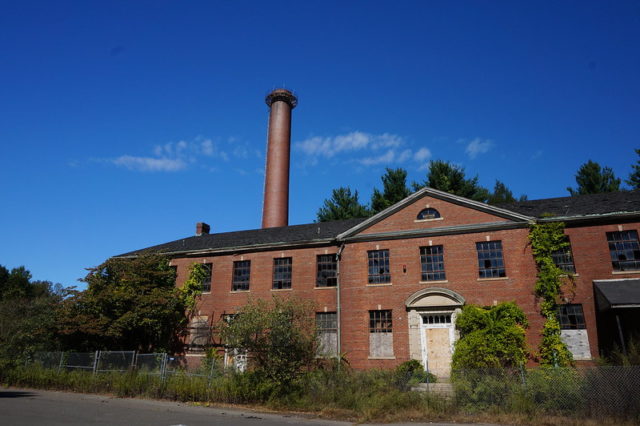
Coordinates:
199 334
380 334
327 325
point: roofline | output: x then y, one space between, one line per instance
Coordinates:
434 232
590 217
239 249
441 195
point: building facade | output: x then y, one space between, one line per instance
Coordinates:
388 289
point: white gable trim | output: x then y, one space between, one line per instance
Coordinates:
441 195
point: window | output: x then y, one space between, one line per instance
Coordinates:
241 274
432 261
563 259
327 271
490 263
281 273
327 325
379 267
199 334
380 334
206 283
571 317
428 213
437 319
624 249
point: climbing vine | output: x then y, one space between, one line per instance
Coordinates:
546 239
192 287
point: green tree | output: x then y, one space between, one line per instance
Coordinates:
634 176
490 337
128 304
593 179
394 189
447 177
503 195
342 205
27 315
279 337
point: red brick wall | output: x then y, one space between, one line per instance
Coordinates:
592 261
590 252
461 269
222 300
451 215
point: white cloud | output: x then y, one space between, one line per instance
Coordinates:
175 156
423 154
149 164
478 146
330 146
385 148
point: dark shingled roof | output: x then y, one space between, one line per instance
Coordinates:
287 234
618 293
582 205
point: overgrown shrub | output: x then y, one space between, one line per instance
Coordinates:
279 337
410 373
490 337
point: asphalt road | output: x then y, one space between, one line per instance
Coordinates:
20 407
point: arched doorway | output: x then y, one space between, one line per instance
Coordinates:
432 313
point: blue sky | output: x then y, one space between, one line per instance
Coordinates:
124 123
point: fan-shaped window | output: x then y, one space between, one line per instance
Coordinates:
428 213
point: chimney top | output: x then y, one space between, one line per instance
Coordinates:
202 229
282 95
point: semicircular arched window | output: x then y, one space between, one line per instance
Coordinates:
428 213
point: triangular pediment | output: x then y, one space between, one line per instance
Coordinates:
455 214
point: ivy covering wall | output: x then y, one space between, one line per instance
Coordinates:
546 239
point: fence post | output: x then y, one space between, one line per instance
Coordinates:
163 366
95 362
61 361
213 364
522 376
134 360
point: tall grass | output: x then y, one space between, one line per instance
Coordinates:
378 396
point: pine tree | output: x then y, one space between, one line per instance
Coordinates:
342 205
634 177
447 177
395 188
503 195
593 179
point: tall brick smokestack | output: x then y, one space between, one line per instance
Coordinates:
275 210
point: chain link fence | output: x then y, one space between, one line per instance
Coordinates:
592 392
161 364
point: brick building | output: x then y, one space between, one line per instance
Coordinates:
388 288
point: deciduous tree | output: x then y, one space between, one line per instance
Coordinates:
279 336
128 304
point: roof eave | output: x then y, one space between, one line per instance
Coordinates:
239 249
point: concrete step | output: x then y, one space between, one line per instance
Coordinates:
444 389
